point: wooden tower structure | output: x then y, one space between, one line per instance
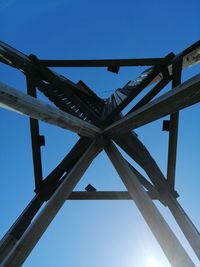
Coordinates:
100 125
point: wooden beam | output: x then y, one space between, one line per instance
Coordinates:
35 139
151 189
139 153
132 145
172 248
101 195
68 88
152 93
49 186
123 96
17 101
182 96
102 62
116 195
67 163
25 245
173 128
188 228
10 239
32 67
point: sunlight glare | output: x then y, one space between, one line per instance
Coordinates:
152 262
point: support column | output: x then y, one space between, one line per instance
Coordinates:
173 128
172 248
35 139
30 238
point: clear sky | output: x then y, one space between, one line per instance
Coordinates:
107 233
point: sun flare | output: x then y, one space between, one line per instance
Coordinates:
152 262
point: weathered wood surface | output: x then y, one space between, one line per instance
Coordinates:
184 95
173 129
188 228
23 248
49 184
17 101
100 195
139 153
101 62
172 248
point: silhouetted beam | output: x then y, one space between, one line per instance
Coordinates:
30 238
102 62
132 145
67 163
24 220
123 96
152 93
151 189
68 88
174 251
139 153
33 68
17 101
100 195
49 186
173 128
20 225
182 96
35 139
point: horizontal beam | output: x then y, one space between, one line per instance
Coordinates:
100 195
102 62
17 101
184 95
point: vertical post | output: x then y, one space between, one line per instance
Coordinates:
188 228
172 248
30 238
35 139
173 128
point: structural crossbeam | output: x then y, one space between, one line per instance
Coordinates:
184 95
102 62
172 248
80 110
17 101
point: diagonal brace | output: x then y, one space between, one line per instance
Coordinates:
25 245
172 248
182 96
17 101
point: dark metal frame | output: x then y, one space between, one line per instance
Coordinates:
81 102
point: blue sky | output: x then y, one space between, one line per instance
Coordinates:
88 234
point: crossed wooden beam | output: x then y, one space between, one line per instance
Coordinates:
100 124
